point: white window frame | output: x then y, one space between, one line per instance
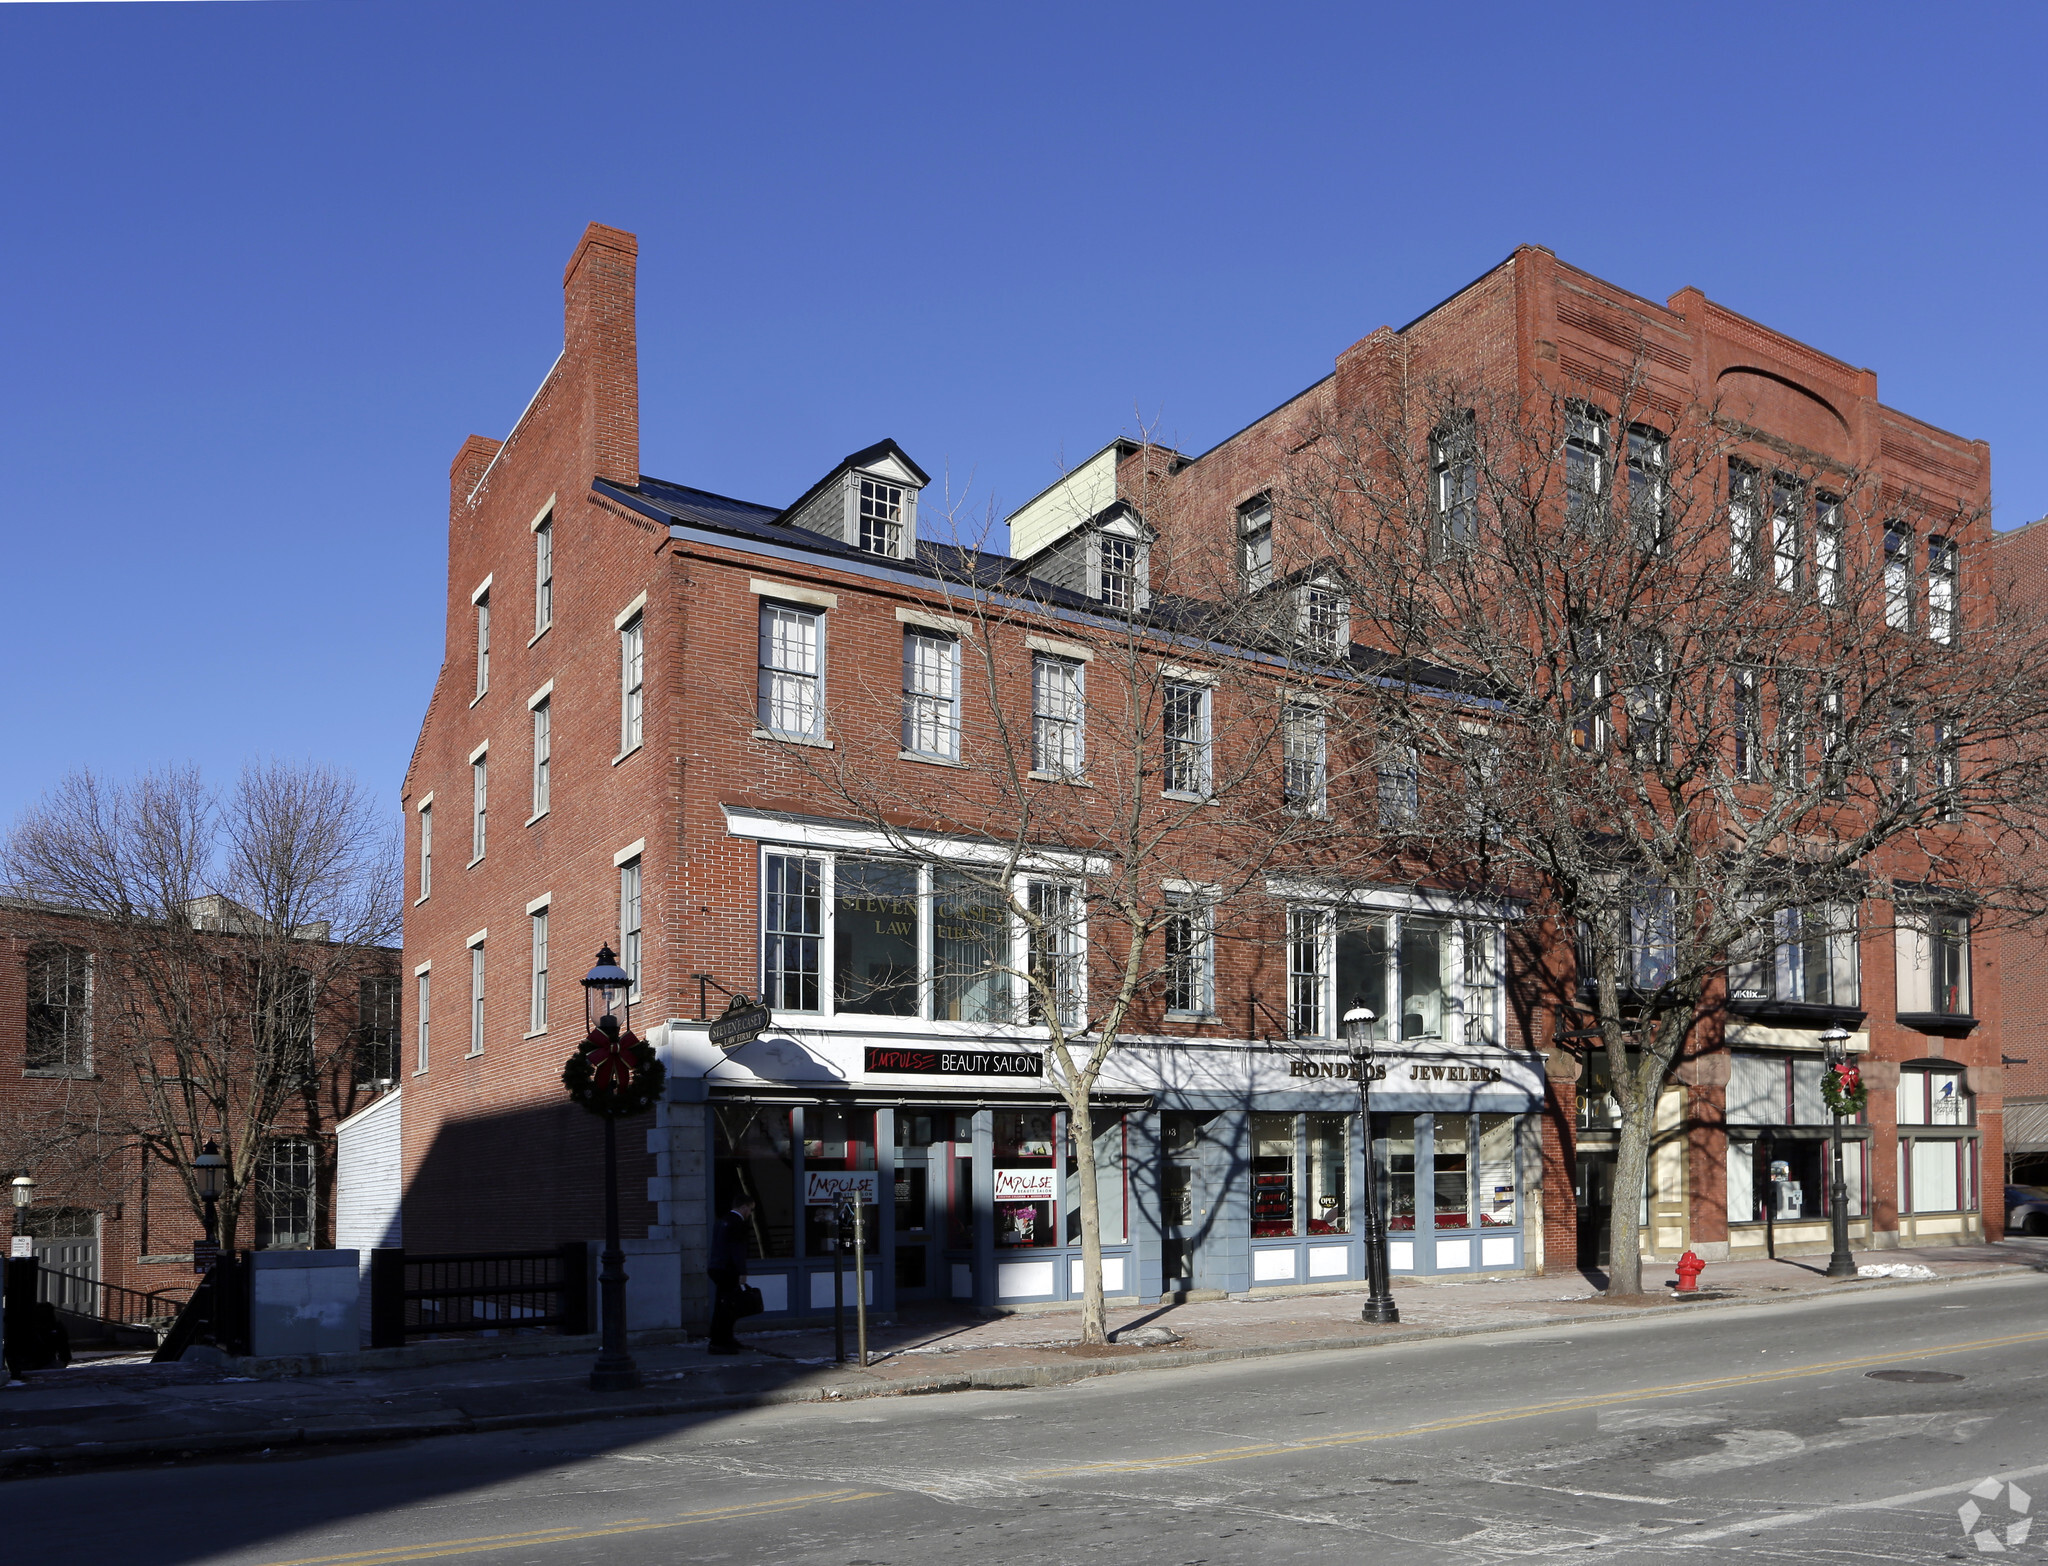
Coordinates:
1916 944
1185 734
423 994
481 603
1398 776
544 571
1897 543
1058 682
1322 618
1744 484
426 815
1943 564
1119 589
1191 972
480 798
1454 479
1828 542
1309 976
632 681
542 708
931 693
1788 500
786 686
1648 457
1305 763
1475 1012
476 995
1771 968
1255 543
879 516
537 1010
631 915
1586 466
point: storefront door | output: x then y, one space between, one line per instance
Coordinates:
1183 1198
1596 1207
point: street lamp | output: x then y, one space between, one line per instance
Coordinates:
607 989
1835 1040
1379 1298
24 1193
206 1170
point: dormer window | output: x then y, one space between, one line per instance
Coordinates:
1321 622
1255 542
881 518
1120 582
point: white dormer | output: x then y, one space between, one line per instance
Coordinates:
868 502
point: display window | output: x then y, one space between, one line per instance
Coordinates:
1459 1168
1398 1133
1272 1177
836 1140
1787 1179
754 1158
1025 1188
1937 1174
1329 1174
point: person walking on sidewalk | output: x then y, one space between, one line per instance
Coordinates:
728 1268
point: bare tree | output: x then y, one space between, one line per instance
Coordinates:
1676 685
228 933
1105 797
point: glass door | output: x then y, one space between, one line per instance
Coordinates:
919 1204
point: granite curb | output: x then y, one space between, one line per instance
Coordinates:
349 1431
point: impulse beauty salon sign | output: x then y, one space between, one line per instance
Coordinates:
954 1062
824 1187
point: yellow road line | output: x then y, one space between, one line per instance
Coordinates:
568 1532
1237 1454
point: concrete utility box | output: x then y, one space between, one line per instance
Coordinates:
303 1302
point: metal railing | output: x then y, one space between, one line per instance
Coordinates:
112 1304
413 1295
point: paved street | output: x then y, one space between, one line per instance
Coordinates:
1758 1433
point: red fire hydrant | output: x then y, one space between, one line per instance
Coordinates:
1689 1269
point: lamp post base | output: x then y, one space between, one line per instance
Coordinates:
1380 1313
1841 1265
620 1375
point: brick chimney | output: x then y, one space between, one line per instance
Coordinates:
601 354
467 468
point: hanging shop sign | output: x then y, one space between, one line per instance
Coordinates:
824 1187
954 1062
1024 1185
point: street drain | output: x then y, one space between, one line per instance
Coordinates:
1912 1375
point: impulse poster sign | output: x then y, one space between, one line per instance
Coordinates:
824 1187
953 1062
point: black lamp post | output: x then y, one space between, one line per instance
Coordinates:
206 1170
1358 1043
606 989
1841 1264
24 1193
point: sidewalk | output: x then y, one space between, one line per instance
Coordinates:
119 1408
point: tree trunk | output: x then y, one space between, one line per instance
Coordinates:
1081 1128
1631 1174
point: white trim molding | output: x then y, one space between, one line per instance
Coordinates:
424 969
478 754
477 592
775 827
540 902
541 515
540 695
479 938
427 802
624 617
1175 671
931 622
632 850
1059 649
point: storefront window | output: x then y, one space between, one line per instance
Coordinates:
1599 1109
1025 1193
1933 1098
1452 1165
875 938
1788 1178
1494 1200
754 1158
1329 1174
1112 1211
835 1140
970 944
1272 1176
1399 1134
1937 1174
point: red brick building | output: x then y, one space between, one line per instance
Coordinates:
2022 556
106 1210
621 749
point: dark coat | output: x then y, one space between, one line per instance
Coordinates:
730 1249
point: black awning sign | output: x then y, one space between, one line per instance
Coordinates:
954 1062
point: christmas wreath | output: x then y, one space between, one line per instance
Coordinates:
614 1074
1842 1089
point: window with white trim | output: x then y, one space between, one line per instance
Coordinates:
1303 758
422 993
1120 571
1255 543
1422 976
483 643
287 1182
1189 952
1935 1111
881 517
1948 770
537 1018
544 576
1648 517
376 1040
931 694
1585 467
1056 715
1185 728
1454 477
476 999
1398 772
792 931
1053 952
632 682
629 926
426 851
542 753
479 791
792 671
1786 554
1827 550
1746 722
1743 484
1322 624
1307 973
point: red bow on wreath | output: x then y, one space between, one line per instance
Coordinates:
611 1060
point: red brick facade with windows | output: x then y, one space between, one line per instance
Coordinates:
494 1155
131 1210
2021 555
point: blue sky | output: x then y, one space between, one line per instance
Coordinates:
265 265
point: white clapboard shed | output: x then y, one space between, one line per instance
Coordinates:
369 1188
